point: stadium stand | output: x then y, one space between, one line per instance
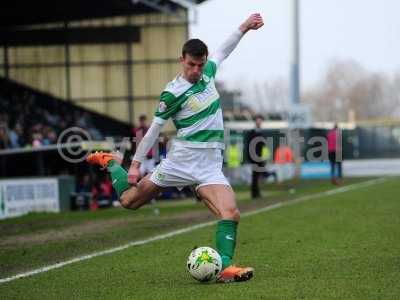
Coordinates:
31 118
30 124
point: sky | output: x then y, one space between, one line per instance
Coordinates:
366 31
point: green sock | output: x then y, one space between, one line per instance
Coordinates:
226 241
119 177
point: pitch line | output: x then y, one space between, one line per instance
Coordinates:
189 229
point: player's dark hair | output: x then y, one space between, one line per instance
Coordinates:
195 48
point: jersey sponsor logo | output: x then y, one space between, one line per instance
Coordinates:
162 107
200 101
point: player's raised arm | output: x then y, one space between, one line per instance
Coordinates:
253 22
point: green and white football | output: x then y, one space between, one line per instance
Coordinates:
204 264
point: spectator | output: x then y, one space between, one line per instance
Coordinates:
148 164
51 119
266 156
80 120
163 146
284 158
233 156
51 137
106 192
16 135
334 151
4 140
37 140
35 124
254 148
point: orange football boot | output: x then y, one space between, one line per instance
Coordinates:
233 273
101 158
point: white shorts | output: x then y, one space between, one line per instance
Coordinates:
186 166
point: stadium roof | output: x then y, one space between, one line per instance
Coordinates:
24 12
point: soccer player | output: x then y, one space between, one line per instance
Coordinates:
195 158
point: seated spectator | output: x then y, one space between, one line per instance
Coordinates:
37 140
30 122
106 189
17 139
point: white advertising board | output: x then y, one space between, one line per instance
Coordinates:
21 196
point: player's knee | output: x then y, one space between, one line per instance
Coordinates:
127 201
123 199
130 201
236 215
231 214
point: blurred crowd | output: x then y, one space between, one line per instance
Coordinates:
23 124
93 192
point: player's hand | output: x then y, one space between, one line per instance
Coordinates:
133 174
253 22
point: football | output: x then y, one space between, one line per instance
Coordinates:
204 264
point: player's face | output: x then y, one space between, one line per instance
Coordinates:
193 67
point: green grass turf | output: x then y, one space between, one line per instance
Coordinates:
344 246
36 240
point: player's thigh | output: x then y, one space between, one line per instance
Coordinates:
148 188
145 191
220 199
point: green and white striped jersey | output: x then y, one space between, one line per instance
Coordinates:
195 110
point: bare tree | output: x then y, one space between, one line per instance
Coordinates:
347 87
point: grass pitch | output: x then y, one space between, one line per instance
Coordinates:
343 246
